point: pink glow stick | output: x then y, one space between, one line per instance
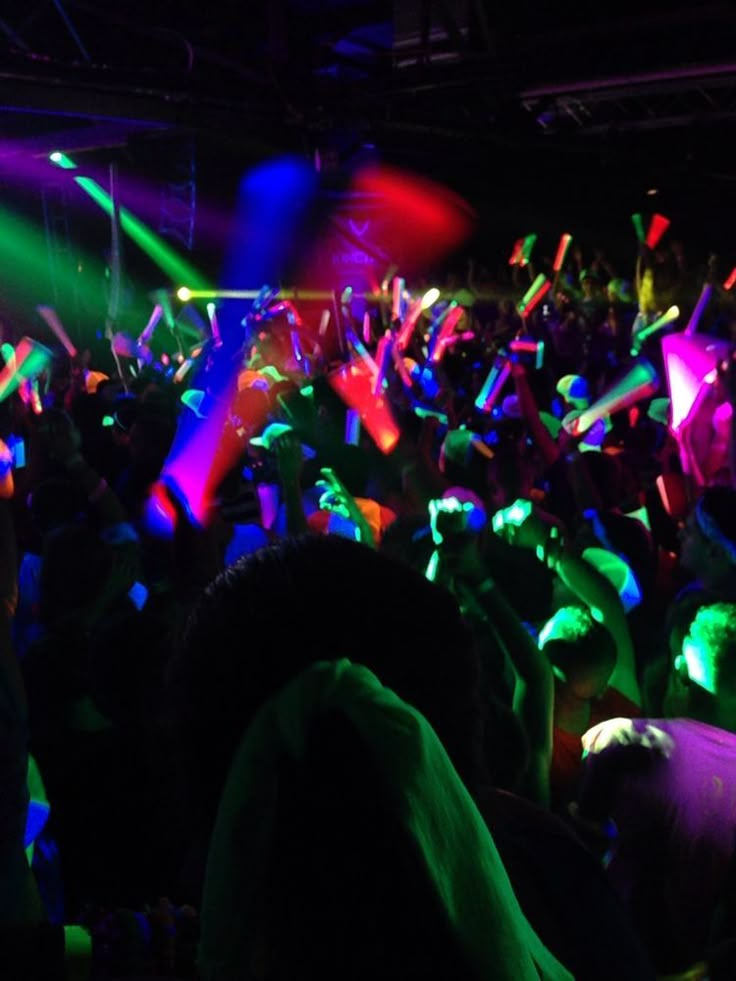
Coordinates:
410 321
397 298
52 319
147 332
446 330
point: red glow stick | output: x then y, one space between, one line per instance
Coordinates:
536 299
353 383
516 252
731 280
562 248
52 319
657 227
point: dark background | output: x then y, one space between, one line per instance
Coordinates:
545 117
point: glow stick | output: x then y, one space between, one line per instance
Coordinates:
526 250
667 317
183 369
8 353
692 324
446 342
430 298
731 280
497 378
437 323
639 382
536 299
446 330
366 327
52 319
401 367
516 252
639 227
147 332
324 322
397 298
362 352
383 356
214 325
657 227
410 321
687 362
533 289
36 403
352 428
562 248
31 358
353 383
523 345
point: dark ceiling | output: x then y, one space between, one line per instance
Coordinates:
560 107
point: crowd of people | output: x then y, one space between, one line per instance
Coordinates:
428 671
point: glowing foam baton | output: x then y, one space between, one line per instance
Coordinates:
657 227
524 345
731 280
493 385
447 342
638 223
397 298
366 327
526 249
31 358
692 324
436 325
639 382
183 370
52 319
446 330
537 285
410 321
214 324
362 351
515 257
353 383
383 357
561 254
147 332
8 353
352 428
646 332
401 368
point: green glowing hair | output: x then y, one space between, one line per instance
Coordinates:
713 634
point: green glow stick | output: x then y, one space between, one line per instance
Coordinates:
639 227
531 292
